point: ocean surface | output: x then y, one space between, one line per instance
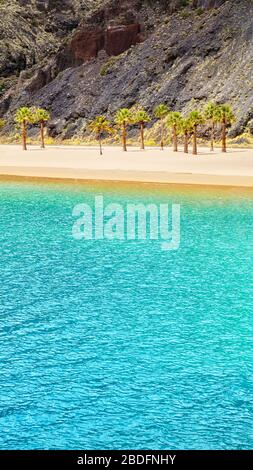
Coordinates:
119 344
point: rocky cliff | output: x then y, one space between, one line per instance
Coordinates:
83 58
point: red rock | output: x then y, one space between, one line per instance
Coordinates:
120 38
87 42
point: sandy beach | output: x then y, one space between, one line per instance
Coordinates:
152 165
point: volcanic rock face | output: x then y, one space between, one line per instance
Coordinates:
119 38
113 28
89 41
207 3
133 51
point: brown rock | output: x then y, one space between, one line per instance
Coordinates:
87 43
120 38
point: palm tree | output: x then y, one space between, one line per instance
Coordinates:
140 117
123 118
211 115
41 116
173 121
185 129
100 125
225 116
195 119
23 117
160 112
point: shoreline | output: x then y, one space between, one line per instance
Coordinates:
178 179
82 164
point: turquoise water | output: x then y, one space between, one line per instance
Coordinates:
117 345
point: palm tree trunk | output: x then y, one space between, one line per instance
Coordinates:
100 144
186 142
175 146
142 136
42 134
195 150
212 137
162 137
124 137
224 135
24 135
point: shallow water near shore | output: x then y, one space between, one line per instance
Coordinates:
118 344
